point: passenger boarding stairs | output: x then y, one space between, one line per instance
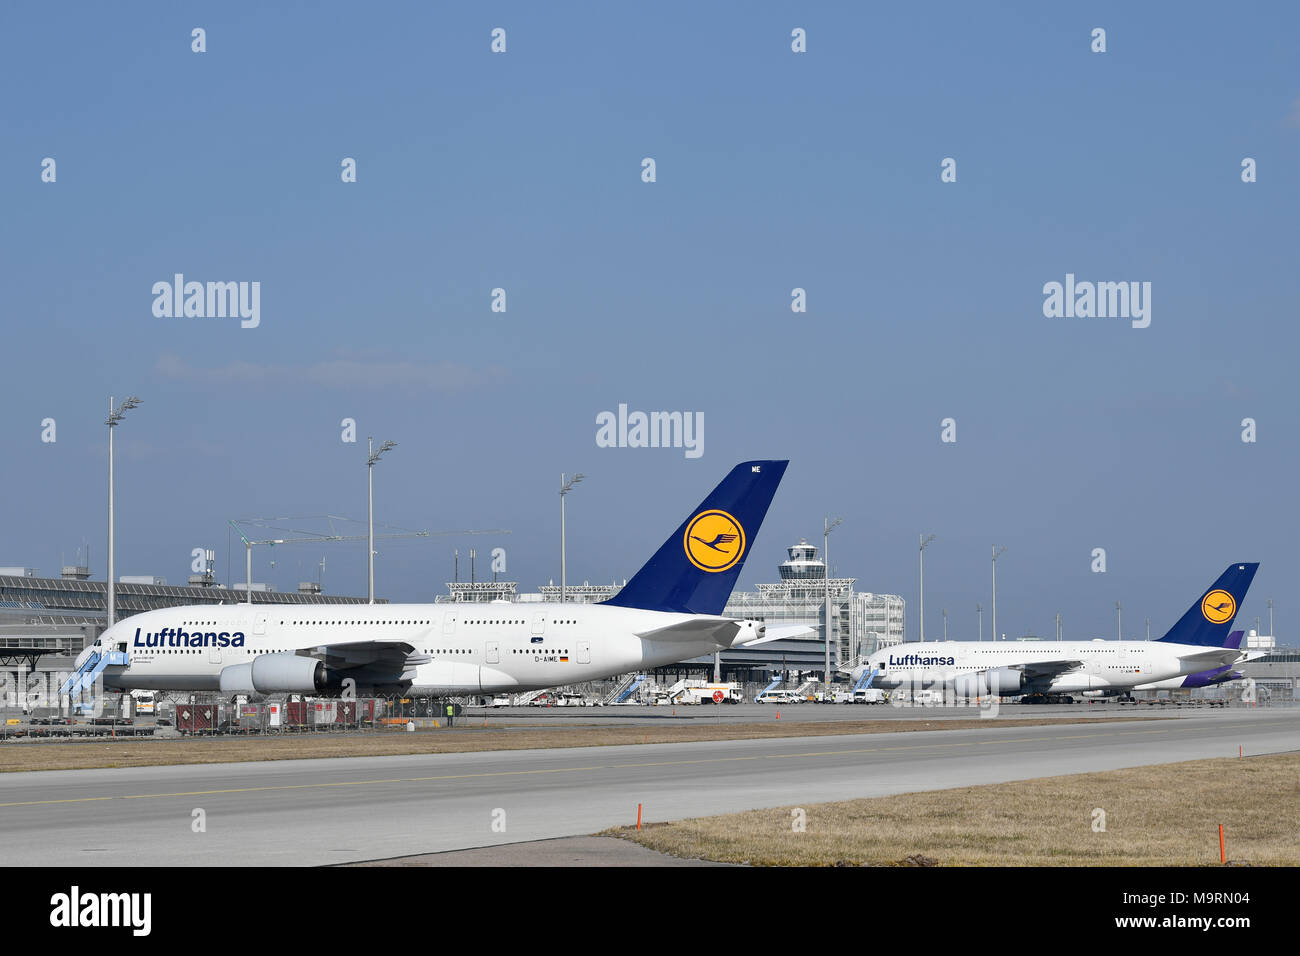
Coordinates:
680 689
625 688
866 677
83 679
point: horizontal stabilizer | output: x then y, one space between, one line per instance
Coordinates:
787 632
720 630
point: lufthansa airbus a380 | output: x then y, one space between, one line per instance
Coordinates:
669 611
1201 646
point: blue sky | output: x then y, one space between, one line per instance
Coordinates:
775 170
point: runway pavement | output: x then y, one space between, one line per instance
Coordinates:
306 812
615 716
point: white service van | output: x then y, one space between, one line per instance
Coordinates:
869 695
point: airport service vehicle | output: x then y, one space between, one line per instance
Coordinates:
1200 641
568 700
669 611
711 694
869 695
919 697
778 697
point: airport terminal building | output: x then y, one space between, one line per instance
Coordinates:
861 622
45 622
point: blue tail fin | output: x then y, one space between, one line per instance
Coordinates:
696 568
1209 621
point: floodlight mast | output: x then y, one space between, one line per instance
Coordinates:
370 471
565 488
114 416
828 527
925 539
997 551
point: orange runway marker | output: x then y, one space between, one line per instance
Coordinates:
638 818
1223 855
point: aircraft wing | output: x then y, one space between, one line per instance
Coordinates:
1048 669
395 656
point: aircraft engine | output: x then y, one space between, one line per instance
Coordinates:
276 674
998 682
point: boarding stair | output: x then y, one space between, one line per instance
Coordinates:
678 690
865 678
84 677
625 689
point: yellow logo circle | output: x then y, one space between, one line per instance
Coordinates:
1218 606
714 541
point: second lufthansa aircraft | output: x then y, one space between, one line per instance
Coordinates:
1201 644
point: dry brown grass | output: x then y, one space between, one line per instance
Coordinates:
469 735
1166 815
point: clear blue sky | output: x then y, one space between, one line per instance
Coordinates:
775 170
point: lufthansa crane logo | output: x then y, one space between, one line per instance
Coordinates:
714 541
1218 606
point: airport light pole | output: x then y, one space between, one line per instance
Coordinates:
829 526
114 416
1058 625
979 612
925 539
1270 618
996 551
945 623
370 470
565 488
1119 619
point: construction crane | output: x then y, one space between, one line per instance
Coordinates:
313 538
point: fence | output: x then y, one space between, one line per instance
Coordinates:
205 715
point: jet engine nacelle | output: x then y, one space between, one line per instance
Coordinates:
276 674
998 682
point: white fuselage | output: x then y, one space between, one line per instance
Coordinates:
1104 664
455 648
